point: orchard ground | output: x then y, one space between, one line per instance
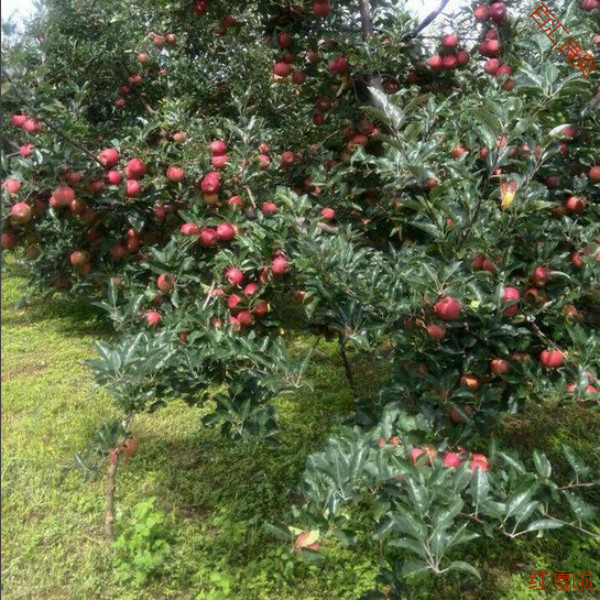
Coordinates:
214 494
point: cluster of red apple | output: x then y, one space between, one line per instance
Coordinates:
426 455
30 125
284 66
449 55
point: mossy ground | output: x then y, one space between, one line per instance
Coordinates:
215 494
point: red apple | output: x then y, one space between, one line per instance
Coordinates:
225 232
220 162
175 174
458 151
573 204
280 265
328 213
462 58
539 277
498 12
595 174
165 282
136 168
448 308
64 195
108 157
481 13
436 63
189 229
234 276
260 309
9 240
79 258
133 188
268 209
282 69
452 459
449 62
113 177
152 318
479 461
450 41
211 183
218 147
285 39
208 237
321 8
21 212
499 366
510 295
552 359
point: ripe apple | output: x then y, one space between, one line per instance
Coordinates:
235 202
436 63
452 459
552 181
78 207
218 147
220 162
510 295
458 151
12 186
299 77
175 174
321 8
133 188
595 174
435 331
64 195
211 183
244 318
479 461
232 302
504 70
113 177
552 359
280 265
449 62
282 69
179 137
268 209
108 157
462 58
338 65
21 212
26 150
225 232
328 213
448 308
9 240
498 12
208 237
165 282
18 120
573 204
263 162
450 41
234 276
540 276
79 258
285 39
499 366
471 382
189 229
143 58
137 168
95 186
30 125
152 318
481 13
251 289
260 309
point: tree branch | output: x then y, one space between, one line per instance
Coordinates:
430 18
368 32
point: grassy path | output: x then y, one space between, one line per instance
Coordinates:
212 495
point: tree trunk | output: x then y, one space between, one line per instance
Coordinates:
111 486
367 29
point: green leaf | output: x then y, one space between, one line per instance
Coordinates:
578 466
542 464
543 524
459 565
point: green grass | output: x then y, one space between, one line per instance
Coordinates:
215 495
